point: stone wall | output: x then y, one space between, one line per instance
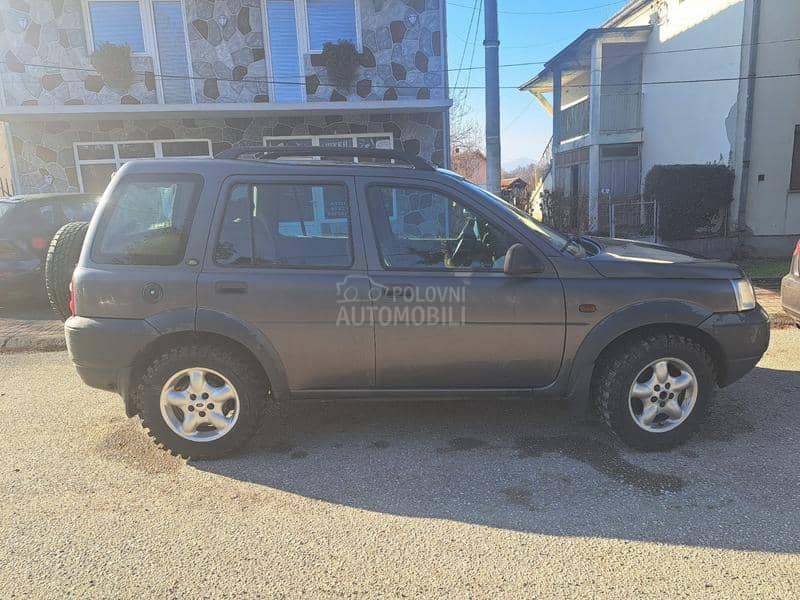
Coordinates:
45 157
401 55
35 32
226 41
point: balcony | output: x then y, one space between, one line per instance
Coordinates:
620 112
574 121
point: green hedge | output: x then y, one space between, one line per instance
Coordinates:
691 198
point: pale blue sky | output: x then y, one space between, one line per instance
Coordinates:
525 126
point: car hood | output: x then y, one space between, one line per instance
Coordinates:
628 258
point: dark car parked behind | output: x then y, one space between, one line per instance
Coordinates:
27 224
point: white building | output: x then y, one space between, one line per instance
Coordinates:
667 82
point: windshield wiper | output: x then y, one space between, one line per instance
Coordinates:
575 241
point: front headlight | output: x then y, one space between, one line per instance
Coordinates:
745 294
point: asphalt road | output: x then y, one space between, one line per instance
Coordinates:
434 500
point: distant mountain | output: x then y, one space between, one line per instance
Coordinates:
513 165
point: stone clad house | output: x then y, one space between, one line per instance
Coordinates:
206 75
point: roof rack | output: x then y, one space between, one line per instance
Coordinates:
266 152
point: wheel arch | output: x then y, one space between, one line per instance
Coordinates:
669 316
216 328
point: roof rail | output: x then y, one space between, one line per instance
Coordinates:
266 152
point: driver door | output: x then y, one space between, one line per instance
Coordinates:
445 314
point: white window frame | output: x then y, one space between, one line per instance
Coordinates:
304 36
316 138
303 41
150 41
158 150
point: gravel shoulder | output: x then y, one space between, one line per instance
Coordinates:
440 499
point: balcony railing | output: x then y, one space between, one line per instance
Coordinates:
620 112
574 121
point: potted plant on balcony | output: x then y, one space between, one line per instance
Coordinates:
113 63
341 62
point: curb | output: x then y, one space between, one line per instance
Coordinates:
19 344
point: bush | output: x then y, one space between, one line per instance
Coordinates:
114 64
341 60
567 215
691 199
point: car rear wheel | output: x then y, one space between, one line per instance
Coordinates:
201 401
654 390
62 257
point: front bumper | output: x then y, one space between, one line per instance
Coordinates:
790 296
103 350
743 338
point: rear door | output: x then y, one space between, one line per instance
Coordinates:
446 316
282 250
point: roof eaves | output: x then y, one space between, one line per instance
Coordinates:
625 12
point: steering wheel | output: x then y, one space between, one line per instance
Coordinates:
466 239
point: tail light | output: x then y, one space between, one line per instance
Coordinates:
39 243
72 298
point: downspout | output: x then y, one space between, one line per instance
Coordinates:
12 159
446 60
748 123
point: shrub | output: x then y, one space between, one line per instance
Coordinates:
341 61
565 214
114 64
691 199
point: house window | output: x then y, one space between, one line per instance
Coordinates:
117 22
98 162
288 82
795 180
295 28
155 28
350 140
331 21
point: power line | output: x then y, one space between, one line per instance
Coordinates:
548 13
650 53
522 113
414 87
474 45
469 32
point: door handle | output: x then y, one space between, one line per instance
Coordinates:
230 287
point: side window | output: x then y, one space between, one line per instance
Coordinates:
285 225
79 211
147 222
423 229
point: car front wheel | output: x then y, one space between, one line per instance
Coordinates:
653 391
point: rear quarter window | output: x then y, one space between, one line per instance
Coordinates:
147 220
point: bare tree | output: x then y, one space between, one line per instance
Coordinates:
466 134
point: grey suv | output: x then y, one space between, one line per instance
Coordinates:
208 289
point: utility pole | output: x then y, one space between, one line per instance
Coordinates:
492 48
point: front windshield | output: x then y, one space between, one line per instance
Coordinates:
558 241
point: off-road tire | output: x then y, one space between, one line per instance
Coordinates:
62 257
618 367
243 372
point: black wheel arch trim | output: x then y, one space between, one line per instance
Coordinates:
617 324
230 326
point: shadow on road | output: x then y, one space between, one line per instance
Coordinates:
529 467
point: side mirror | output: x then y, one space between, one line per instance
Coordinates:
521 261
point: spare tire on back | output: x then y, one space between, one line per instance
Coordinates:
62 257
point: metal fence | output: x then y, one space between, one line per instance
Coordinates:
634 220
